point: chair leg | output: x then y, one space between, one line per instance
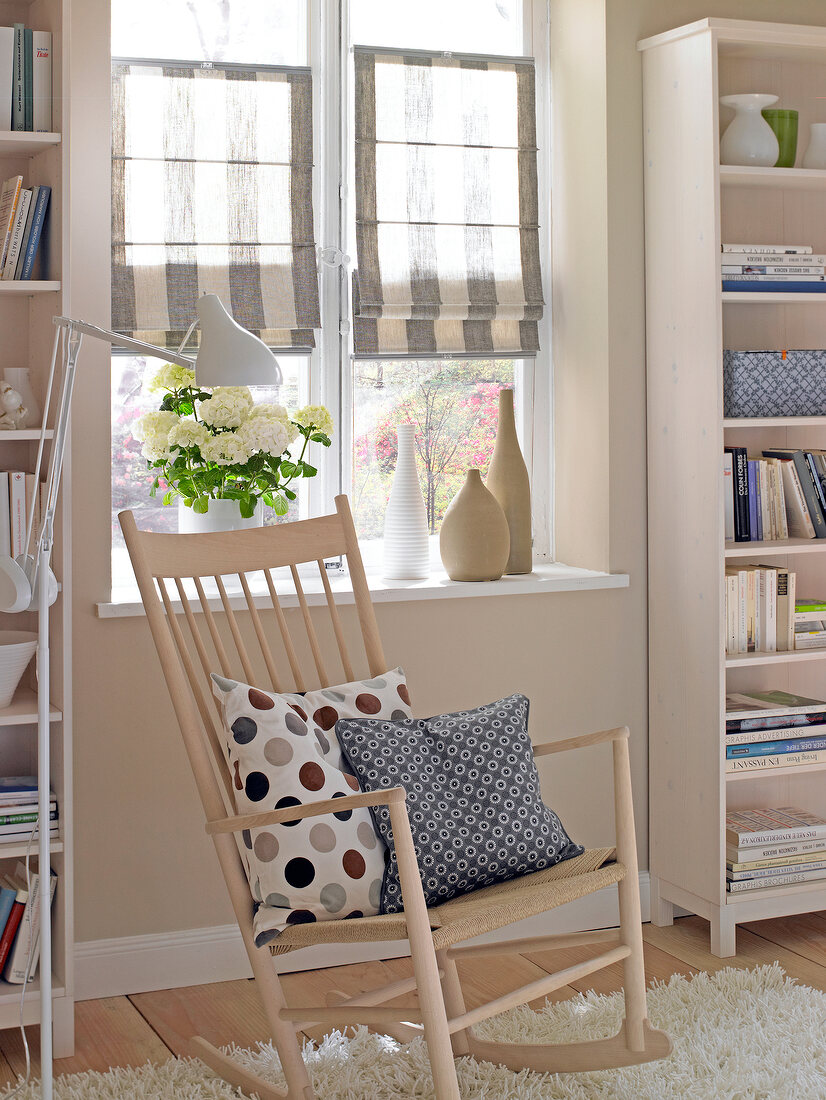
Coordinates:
629 900
283 1034
454 1000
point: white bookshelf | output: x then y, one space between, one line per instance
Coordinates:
26 336
692 204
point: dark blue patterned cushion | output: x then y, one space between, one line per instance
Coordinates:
473 797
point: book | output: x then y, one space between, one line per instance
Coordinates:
742 857
776 249
18 112
728 494
751 466
767 609
737 594
21 214
752 828
17 790
6 75
21 895
741 493
26 232
810 494
758 709
17 509
732 631
36 232
797 759
774 269
754 737
25 950
7 896
786 585
762 499
810 639
23 815
5 514
28 104
801 861
780 745
775 880
780 869
42 81
773 285
752 276
799 521
8 203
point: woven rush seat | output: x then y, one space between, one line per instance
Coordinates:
475 913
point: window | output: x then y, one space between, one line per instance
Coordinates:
444 383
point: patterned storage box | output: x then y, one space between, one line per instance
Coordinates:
774 383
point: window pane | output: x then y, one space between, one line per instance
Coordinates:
131 481
454 406
244 31
469 26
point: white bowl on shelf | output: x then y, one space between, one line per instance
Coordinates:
17 648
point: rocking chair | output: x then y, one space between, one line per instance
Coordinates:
191 646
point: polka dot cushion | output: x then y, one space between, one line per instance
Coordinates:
282 751
473 797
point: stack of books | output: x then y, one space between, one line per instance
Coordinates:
18 808
788 268
774 847
761 610
20 923
780 495
810 623
767 730
22 214
20 496
25 79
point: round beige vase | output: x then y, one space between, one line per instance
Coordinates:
474 539
508 481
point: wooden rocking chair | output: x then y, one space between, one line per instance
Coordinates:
191 645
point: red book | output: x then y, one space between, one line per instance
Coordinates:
15 916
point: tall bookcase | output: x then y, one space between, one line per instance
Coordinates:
692 203
26 335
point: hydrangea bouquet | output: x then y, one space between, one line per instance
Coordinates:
217 445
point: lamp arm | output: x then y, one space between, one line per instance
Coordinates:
121 341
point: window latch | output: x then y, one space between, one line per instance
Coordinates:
333 257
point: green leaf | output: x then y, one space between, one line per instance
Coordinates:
308 470
280 505
288 469
201 505
247 505
320 437
167 498
267 497
289 493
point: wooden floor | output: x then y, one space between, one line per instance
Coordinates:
128 1031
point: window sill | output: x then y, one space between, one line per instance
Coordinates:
546 577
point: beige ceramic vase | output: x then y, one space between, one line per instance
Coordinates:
508 481
474 539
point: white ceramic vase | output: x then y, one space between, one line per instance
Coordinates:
406 544
222 515
748 138
18 379
815 155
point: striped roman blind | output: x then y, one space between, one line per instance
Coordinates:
447 220
212 193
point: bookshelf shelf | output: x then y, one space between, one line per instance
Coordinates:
693 205
24 435
798 179
18 849
10 994
742 660
780 297
774 773
25 144
28 287
23 710
777 547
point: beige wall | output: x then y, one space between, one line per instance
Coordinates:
142 862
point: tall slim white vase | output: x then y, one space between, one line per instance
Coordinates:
406 546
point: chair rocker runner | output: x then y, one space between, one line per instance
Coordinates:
191 645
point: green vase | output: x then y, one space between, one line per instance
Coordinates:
784 124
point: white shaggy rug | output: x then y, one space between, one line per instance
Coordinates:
737 1035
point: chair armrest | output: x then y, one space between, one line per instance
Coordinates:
583 742
310 809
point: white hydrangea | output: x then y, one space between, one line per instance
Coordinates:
155 447
277 412
172 377
264 433
227 408
317 415
159 422
242 393
188 433
227 449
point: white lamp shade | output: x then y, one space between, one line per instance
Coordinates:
229 355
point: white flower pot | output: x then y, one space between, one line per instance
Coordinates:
222 515
748 138
815 155
406 545
16 650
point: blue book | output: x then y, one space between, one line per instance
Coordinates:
769 286
772 748
7 896
43 196
16 784
754 511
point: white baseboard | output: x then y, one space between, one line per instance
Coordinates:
168 960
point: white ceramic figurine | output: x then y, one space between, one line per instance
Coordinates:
13 412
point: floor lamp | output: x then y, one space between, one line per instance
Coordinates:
228 355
